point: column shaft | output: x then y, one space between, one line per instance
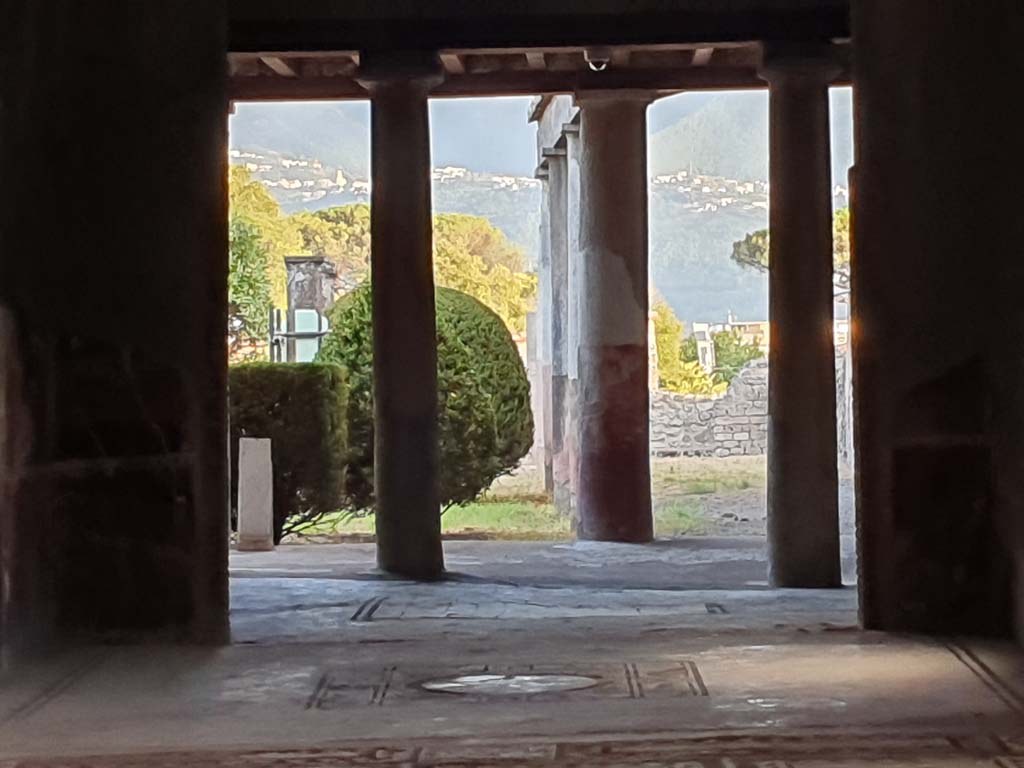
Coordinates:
614 493
803 515
558 232
571 412
406 458
541 386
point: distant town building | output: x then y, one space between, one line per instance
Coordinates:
758 332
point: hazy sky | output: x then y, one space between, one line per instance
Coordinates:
483 134
493 134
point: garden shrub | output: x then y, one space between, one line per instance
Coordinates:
302 408
484 417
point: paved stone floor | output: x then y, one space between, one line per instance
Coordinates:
700 562
332 666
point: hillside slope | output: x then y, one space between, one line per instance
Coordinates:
728 136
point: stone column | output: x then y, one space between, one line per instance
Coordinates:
571 414
614 493
404 331
541 389
558 273
538 455
803 507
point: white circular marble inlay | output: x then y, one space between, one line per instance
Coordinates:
510 685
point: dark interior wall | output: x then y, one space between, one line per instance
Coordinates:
260 25
113 262
939 335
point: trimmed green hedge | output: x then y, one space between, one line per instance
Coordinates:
485 421
302 408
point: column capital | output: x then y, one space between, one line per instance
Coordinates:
421 70
604 95
784 62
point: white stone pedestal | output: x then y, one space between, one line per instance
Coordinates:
255 495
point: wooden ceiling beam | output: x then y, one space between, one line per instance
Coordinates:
620 57
298 89
479 79
279 66
702 56
536 60
549 49
481 63
507 83
453 63
511 83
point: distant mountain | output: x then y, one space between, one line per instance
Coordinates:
336 133
669 110
486 135
728 136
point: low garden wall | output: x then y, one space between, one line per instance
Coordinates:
731 424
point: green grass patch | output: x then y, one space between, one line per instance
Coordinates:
524 519
507 520
675 478
517 508
679 518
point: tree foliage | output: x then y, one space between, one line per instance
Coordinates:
484 418
510 294
752 250
676 374
473 256
251 201
841 246
341 234
470 255
476 235
690 352
248 287
732 353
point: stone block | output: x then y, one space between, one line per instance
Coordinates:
255 495
726 420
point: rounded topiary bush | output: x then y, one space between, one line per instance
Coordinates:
484 416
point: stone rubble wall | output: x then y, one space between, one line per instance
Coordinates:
732 424
736 423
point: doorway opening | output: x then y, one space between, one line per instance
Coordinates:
492 233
